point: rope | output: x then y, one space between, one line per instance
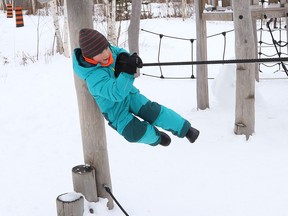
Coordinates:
192 48
232 61
279 54
108 190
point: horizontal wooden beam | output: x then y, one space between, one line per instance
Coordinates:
257 13
218 16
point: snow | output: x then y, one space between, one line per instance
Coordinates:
221 174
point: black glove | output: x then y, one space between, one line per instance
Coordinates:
127 64
135 60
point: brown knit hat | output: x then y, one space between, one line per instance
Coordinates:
92 42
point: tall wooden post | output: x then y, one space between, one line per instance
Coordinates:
79 15
202 73
245 75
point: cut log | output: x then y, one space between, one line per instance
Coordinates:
84 182
70 204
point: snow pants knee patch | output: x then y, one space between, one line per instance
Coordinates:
150 112
134 130
141 131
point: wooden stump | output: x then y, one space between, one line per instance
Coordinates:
70 204
84 181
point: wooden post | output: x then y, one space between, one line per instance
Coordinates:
70 204
202 73
245 75
254 24
84 182
79 15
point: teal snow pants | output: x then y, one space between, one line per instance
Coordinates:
151 114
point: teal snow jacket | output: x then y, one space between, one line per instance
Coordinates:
108 91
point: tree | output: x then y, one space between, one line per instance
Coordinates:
111 21
55 15
79 15
184 9
134 27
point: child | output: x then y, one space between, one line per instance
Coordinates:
109 74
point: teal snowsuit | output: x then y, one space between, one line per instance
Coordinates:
120 102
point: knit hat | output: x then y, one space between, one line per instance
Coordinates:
92 42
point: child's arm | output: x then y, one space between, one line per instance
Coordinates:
101 84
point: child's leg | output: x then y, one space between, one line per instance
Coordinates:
159 115
134 130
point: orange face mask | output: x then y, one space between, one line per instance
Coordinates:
92 61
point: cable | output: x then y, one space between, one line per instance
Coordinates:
232 61
108 190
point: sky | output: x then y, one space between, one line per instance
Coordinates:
220 174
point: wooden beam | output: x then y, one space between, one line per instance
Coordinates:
218 16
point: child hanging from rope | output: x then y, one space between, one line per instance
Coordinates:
109 74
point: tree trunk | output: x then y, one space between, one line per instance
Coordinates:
245 75
65 33
202 73
111 21
133 30
79 15
184 9
55 15
33 7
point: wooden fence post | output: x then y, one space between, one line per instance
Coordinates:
202 71
84 182
245 74
70 204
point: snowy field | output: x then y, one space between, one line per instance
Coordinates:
222 174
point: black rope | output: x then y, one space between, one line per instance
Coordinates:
232 61
108 190
159 49
192 48
268 26
224 49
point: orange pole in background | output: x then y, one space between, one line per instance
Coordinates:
9 11
19 16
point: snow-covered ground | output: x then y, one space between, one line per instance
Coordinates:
221 174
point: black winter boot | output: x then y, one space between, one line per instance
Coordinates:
165 140
192 134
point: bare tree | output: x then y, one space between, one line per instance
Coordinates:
55 15
184 9
134 27
111 21
65 32
33 6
